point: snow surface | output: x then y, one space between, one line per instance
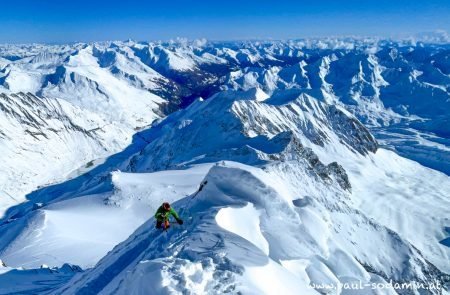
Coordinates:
34 281
210 245
299 192
53 135
396 195
82 230
243 222
303 219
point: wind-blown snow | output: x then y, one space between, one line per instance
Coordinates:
243 222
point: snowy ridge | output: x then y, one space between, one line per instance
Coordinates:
211 256
386 84
237 126
323 224
298 192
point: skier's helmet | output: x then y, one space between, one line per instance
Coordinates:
166 206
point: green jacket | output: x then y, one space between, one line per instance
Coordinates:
162 215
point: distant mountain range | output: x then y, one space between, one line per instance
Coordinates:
313 152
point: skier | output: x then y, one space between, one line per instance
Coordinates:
162 216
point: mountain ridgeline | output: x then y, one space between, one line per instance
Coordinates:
309 149
399 90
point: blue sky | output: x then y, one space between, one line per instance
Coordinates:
68 21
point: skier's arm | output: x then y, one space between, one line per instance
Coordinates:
174 214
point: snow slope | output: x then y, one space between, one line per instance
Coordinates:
396 195
219 249
34 281
53 135
299 193
55 234
302 220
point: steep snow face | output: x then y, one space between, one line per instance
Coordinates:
44 140
243 222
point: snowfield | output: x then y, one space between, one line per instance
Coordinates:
324 163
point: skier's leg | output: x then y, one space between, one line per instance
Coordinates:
166 224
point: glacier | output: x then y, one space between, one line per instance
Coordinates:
326 162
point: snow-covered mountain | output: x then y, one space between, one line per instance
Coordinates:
398 89
43 140
293 220
105 93
287 135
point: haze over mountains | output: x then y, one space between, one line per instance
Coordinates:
347 140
